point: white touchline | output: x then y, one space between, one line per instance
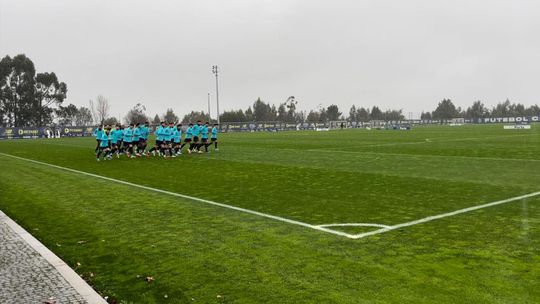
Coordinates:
274 217
282 219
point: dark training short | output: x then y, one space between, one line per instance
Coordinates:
195 138
213 139
204 140
187 140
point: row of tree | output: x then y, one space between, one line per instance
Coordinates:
28 98
446 110
286 112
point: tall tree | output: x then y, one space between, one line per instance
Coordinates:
376 113
111 121
194 116
27 99
84 117
363 114
170 116
353 114
333 112
233 116
477 110
532 110
290 104
299 116
17 91
425 116
136 114
263 111
100 109
156 121
517 109
323 116
501 109
313 116
67 116
282 113
445 110
249 114
240 116
49 92
272 115
393 115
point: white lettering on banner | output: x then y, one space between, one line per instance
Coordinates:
520 119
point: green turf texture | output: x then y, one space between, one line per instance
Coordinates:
199 253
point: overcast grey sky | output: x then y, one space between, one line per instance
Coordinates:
395 54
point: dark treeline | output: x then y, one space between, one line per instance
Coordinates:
286 112
447 110
29 99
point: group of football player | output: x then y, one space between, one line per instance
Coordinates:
132 140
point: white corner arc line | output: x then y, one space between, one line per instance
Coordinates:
192 198
354 225
443 215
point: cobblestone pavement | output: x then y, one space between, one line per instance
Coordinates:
26 277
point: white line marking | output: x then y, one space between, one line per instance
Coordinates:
274 217
436 217
281 219
354 225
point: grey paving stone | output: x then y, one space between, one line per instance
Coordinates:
26 277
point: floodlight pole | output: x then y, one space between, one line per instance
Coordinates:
215 71
209 116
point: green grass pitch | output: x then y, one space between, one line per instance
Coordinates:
202 253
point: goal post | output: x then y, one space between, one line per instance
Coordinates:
338 124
